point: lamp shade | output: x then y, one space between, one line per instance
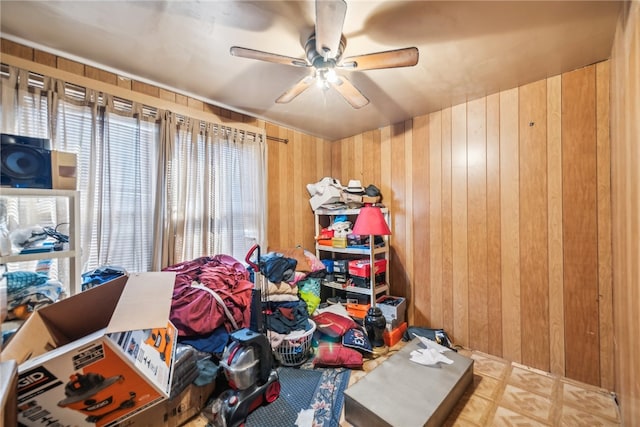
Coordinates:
370 221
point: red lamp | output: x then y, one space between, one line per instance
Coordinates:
371 221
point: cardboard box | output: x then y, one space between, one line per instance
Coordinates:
362 267
357 310
339 242
3 303
174 412
370 199
63 170
392 337
8 392
97 357
340 266
393 309
365 282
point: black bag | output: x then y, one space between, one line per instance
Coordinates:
437 335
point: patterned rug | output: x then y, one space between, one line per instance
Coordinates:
305 394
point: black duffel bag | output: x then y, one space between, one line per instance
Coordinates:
437 335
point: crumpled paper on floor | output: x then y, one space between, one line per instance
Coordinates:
430 356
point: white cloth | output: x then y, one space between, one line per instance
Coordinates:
305 418
324 192
430 356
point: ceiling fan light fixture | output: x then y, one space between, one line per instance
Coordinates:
325 77
331 75
323 53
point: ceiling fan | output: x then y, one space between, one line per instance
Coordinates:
324 49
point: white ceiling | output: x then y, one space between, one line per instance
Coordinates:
468 49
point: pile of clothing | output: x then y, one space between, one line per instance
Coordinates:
211 298
330 194
29 290
293 292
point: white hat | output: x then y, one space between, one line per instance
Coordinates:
354 187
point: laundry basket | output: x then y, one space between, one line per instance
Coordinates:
296 347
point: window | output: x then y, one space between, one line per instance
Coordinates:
215 180
117 171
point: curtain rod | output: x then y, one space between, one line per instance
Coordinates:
275 138
124 93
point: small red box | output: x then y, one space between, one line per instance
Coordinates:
362 268
393 337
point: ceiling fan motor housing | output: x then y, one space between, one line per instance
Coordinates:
316 59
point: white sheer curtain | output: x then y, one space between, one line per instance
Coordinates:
117 157
117 152
155 188
216 190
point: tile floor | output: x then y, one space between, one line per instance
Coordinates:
509 394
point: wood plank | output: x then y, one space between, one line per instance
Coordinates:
368 160
296 223
310 164
477 223
399 284
377 156
494 290
101 75
408 226
435 219
580 225
420 224
554 225
534 276
625 110
510 225
459 224
273 173
44 58
385 177
632 101
336 159
9 47
77 68
287 239
136 86
605 290
358 163
447 224
347 158
325 155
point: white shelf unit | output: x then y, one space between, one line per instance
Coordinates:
72 252
325 217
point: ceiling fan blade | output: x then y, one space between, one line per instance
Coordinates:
244 52
329 22
349 92
406 57
295 90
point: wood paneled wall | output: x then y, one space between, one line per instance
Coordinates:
625 194
500 220
303 160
